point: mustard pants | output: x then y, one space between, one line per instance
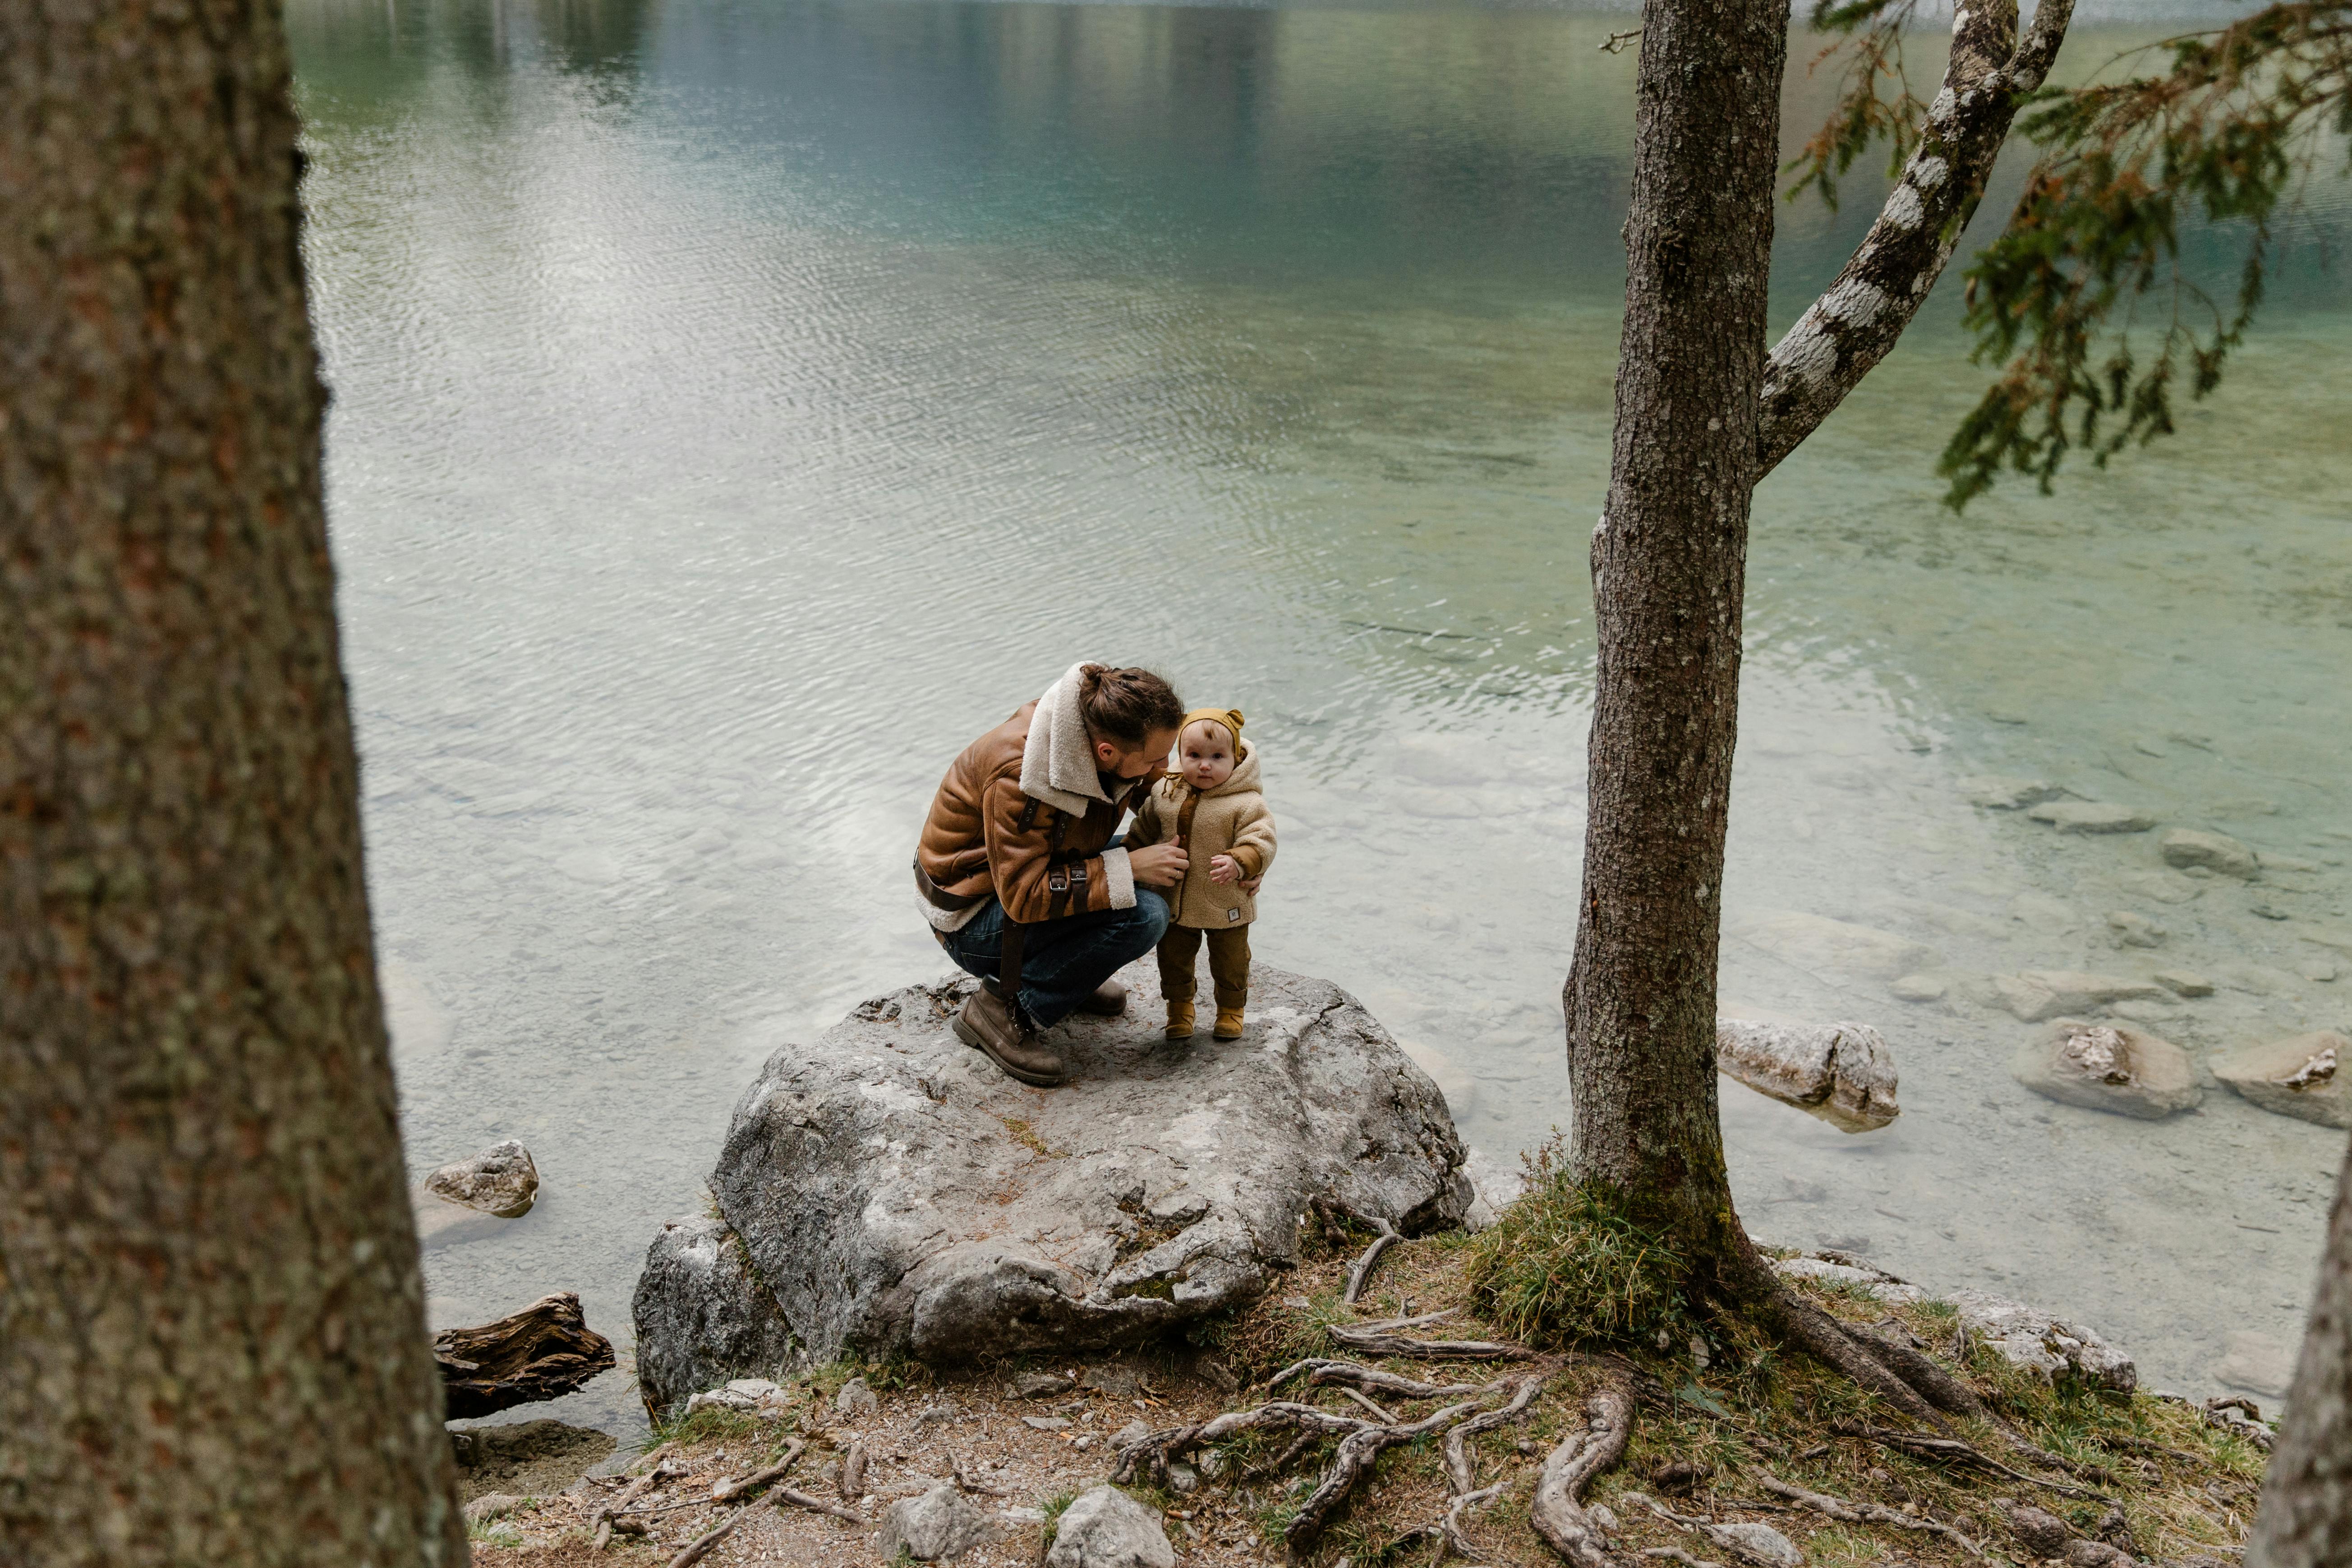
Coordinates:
1229 961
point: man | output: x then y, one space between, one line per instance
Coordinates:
1021 880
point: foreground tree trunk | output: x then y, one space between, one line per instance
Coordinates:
2305 1517
1668 563
212 1336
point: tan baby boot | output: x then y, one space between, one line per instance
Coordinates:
1229 1024
1179 1020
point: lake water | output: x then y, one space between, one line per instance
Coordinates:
740 406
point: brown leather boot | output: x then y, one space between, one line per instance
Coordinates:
1179 1021
1228 1025
989 1028
1108 1001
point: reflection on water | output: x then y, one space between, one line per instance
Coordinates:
738 406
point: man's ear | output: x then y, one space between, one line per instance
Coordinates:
1106 754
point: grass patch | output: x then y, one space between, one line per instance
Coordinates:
1564 1266
711 1424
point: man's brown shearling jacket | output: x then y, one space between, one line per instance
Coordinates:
984 836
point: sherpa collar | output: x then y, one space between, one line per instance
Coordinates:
1057 762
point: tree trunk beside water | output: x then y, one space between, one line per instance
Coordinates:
2305 1517
211 1334
1669 560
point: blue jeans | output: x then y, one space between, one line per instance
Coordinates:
1062 961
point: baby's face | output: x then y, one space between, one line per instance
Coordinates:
1204 755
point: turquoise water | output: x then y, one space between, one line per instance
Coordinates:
738 406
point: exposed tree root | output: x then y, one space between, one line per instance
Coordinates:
1352 1462
1370 1380
656 1472
1361 1274
1381 1339
1951 1450
1151 1455
727 1491
1854 1355
1558 1512
1462 1469
1863 1512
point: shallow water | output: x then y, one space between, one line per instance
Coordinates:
738 406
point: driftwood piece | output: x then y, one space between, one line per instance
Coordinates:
1558 1512
1369 1380
543 1351
1382 1339
1852 1512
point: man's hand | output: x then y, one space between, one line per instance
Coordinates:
1159 865
1224 869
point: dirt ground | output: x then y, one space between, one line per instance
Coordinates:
2157 1470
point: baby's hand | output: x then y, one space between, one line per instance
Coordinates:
1223 868
1253 885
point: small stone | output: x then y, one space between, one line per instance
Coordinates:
1104 1527
1495 1185
936 1526
857 1399
2098 1554
1183 1479
1131 1434
1121 1382
2091 816
1605 1517
490 1506
1870 1282
2000 793
501 1180
1919 988
1046 1423
2301 1076
1210 1463
2184 983
2134 929
2288 863
1039 1384
2264 909
2108 1066
2188 846
1758 1543
1843 1073
2041 1533
2319 971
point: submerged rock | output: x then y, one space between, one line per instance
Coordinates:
2032 1339
2217 852
1104 1527
501 1180
1843 1073
1816 941
2000 793
2301 1076
898 1195
2132 930
2184 983
2091 816
1919 988
2034 994
2108 1066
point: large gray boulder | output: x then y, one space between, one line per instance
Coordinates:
2108 1066
898 1195
702 1317
935 1526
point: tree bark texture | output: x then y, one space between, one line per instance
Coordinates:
2305 1517
1668 563
211 1334
1855 322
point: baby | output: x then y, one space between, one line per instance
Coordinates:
1210 804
